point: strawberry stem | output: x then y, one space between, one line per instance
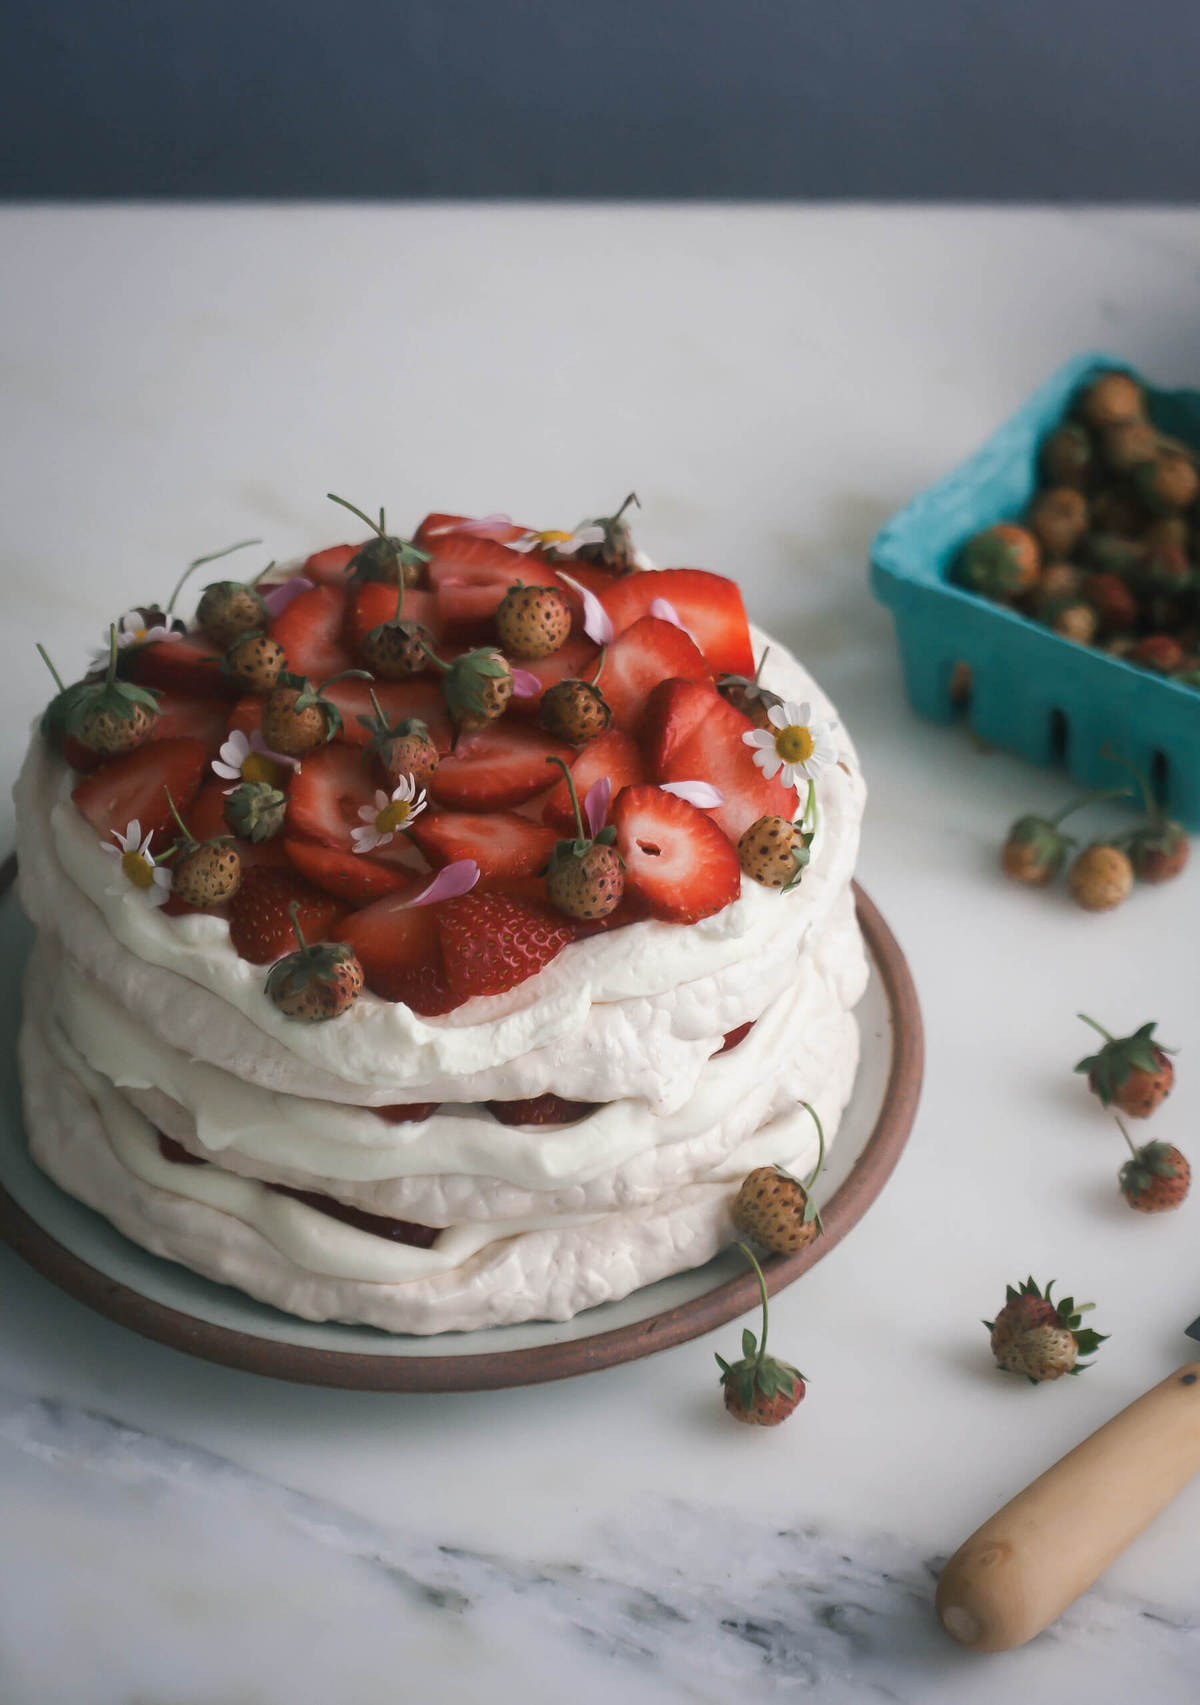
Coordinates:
1132 1145
263 572
810 807
766 652
599 665
433 656
580 831
294 914
632 498
111 672
762 1291
188 838
346 675
1099 1028
375 526
1148 800
820 1144
45 657
213 556
1088 799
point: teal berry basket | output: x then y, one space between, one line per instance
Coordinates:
1032 692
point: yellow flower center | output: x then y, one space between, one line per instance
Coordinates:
258 767
393 816
139 635
794 744
552 537
135 869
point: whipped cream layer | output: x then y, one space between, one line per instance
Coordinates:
635 1013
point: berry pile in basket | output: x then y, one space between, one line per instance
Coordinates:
1108 552
426 766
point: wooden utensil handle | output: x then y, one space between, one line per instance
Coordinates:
1034 1557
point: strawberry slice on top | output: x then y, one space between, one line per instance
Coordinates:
400 950
134 787
186 665
260 925
676 858
647 652
492 942
613 754
674 711
471 575
715 752
709 606
498 766
326 794
575 659
310 632
398 700
351 877
203 719
502 843
330 566
374 603
435 526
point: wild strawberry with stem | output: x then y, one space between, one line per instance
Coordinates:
778 1210
1159 849
476 686
314 983
614 549
586 876
255 661
297 717
532 621
759 1389
1036 849
405 750
1155 1178
775 851
1133 1073
385 558
255 811
227 608
749 695
205 873
1040 1338
576 711
109 717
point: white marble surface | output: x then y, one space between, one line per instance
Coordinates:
774 382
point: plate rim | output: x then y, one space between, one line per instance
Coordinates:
538 1364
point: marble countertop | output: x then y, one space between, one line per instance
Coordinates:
774 382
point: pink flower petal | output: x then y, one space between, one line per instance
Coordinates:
277 598
667 612
597 623
701 793
525 684
484 526
595 804
457 878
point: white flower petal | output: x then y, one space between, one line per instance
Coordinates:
366 814
701 793
382 801
777 716
225 771
365 839
759 737
597 623
768 760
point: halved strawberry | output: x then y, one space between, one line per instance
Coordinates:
373 603
501 842
470 575
260 926
246 715
436 526
400 951
421 698
326 793
203 719
708 605
310 632
675 856
674 711
135 787
549 1109
715 752
354 878
500 765
407 1112
613 754
186 666
329 567
648 652
576 658
492 942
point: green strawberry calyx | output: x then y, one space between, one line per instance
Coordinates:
320 963
402 551
1147 1162
1114 1063
583 842
107 697
757 1372
464 680
311 696
1068 1315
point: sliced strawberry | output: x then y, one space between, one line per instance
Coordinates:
675 856
191 719
407 1112
615 755
373 603
516 887
79 756
674 711
715 752
326 793
492 942
186 666
733 1037
500 765
501 842
354 878
549 1109
135 786
328 567
436 526
708 605
399 948
260 926
246 715
470 575
575 658
310 632
648 652
398 700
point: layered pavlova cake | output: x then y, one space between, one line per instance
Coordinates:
435 934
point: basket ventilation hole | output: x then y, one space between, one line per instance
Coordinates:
1058 736
1160 777
960 685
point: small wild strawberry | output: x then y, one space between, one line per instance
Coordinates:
615 550
759 1389
776 1209
1101 878
574 711
1066 456
297 717
385 559
1169 483
256 662
1036 848
1058 519
1111 398
205 873
532 621
315 983
775 852
999 563
227 610
750 696
396 650
1155 1178
108 716
585 877
1133 1073
405 750
1037 1337
476 686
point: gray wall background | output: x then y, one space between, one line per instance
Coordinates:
1068 100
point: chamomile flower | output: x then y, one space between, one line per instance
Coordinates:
136 628
138 870
796 746
247 757
390 813
559 544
